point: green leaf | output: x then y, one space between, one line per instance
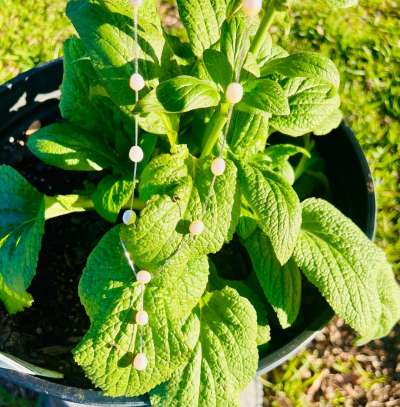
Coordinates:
202 20
235 43
218 67
21 230
247 134
330 123
279 153
245 289
306 65
68 147
86 104
348 269
341 3
281 284
224 359
111 297
276 205
176 187
110 196
264 96
185 93
106 29
311 103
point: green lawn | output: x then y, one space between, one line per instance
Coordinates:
365 44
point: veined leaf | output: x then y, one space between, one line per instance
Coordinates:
281 284
202 20
224 359
263 96
349 270
330 123
85 101
311 103
276 205
68 147
235 43
245 289
248 133
106 29
218 67
185 93
111 297
110 196
21 230
304 64
176 187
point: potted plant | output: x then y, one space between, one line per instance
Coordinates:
212 233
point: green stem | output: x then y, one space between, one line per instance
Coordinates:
265 25
301 166
214 129
61 205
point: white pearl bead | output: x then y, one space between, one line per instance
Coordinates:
251 7
234 92
140 362
136 82
129 217
218 166
143 277
142 318
136 154
196 228
136 3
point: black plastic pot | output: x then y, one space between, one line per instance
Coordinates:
32 96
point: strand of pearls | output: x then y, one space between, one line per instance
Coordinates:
233 95
136 155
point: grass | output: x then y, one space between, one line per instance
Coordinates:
9 400
364 42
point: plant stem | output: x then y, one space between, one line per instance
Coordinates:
214 129
61 205
263 28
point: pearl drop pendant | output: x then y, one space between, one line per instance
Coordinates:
140 362
136 3
218 166
142 318
136 154
196 228
136 82
129 217
234 93
143 277
251 7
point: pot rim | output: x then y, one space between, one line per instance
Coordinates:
268 363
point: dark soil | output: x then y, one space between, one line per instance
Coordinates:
46 333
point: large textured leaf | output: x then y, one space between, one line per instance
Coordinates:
202 20
248 133
176 187
185 93
106 29
306 65
276 205
21 230
311 102
66 146
351 273
111 297
281 284
246 289
235 42
85 101
218 67
110 196
264 96
224 360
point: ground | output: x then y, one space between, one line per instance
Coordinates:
365 43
